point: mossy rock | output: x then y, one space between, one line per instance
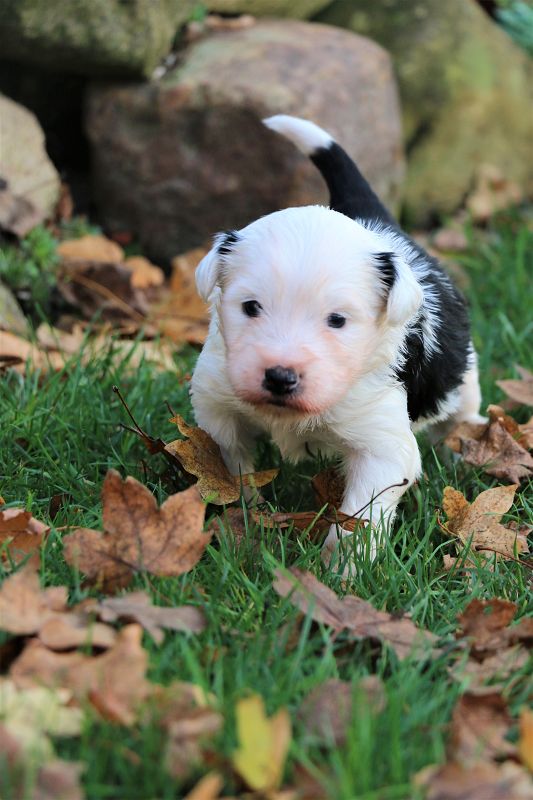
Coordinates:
296 9
466 89
92 37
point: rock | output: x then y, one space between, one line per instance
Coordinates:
296 9
466 90
11 316
179 159
25 165
92 37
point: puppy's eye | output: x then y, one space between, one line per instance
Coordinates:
336 321
251 308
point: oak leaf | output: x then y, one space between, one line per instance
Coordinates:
263 744
521 391
21 534
138 536
500 446
200 456
352 613
113 682
478 523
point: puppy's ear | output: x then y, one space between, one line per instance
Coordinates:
404 294
209 270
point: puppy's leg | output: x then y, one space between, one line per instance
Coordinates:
371 491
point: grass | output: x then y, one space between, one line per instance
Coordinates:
60 433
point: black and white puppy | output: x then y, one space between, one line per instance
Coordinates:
333 331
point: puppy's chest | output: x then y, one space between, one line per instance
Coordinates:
295 445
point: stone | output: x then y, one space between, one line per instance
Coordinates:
466 90
92 37
296 9
11 317
178 159
25 167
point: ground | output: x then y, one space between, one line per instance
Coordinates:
60 433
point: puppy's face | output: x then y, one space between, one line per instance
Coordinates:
302 303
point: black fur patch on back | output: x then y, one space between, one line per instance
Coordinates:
429 376
387 269
225 246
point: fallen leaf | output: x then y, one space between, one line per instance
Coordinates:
525 743
138 536
113 682
207 788
450 240
16 352
263 744
478 728
71 630
353 614
24 606
137 607
200 456
90 248
483 781
521 391
499 669
478 523
21 534
500 446
327 711
328 487
179 312
486 624
493 191
144 273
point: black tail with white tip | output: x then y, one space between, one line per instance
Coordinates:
350 193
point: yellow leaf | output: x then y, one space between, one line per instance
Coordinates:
525 745
263 744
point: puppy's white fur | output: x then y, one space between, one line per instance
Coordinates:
302 265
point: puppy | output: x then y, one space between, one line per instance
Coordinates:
333 331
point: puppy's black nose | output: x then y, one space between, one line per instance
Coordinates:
280 380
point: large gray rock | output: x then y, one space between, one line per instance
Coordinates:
178 159
91 37
466 89
24 163
296 9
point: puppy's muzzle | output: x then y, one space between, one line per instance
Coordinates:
280 381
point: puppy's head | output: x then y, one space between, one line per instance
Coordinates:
306 299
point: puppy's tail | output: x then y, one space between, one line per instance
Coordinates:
350 193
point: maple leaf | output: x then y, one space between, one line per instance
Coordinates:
24 606
263 744
138 536
500 446
521 391
480 781
200 456
353 614
21 534
115 691
478 728
478 523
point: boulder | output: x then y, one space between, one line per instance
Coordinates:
92 37
178 159
466 90
25 167
296 9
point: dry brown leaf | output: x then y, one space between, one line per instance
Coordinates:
15 352
487 626
24 606
200 456
353 614
71 630
138 536
500 446
521 391
478 523
482 781
499 669
21 534
113 682
137 607
179 312
90 248
450 239
525 743
327 710
144 273
328 487
207 788
493 192
104 288
478 728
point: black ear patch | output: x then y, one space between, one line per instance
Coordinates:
387 269
226 244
